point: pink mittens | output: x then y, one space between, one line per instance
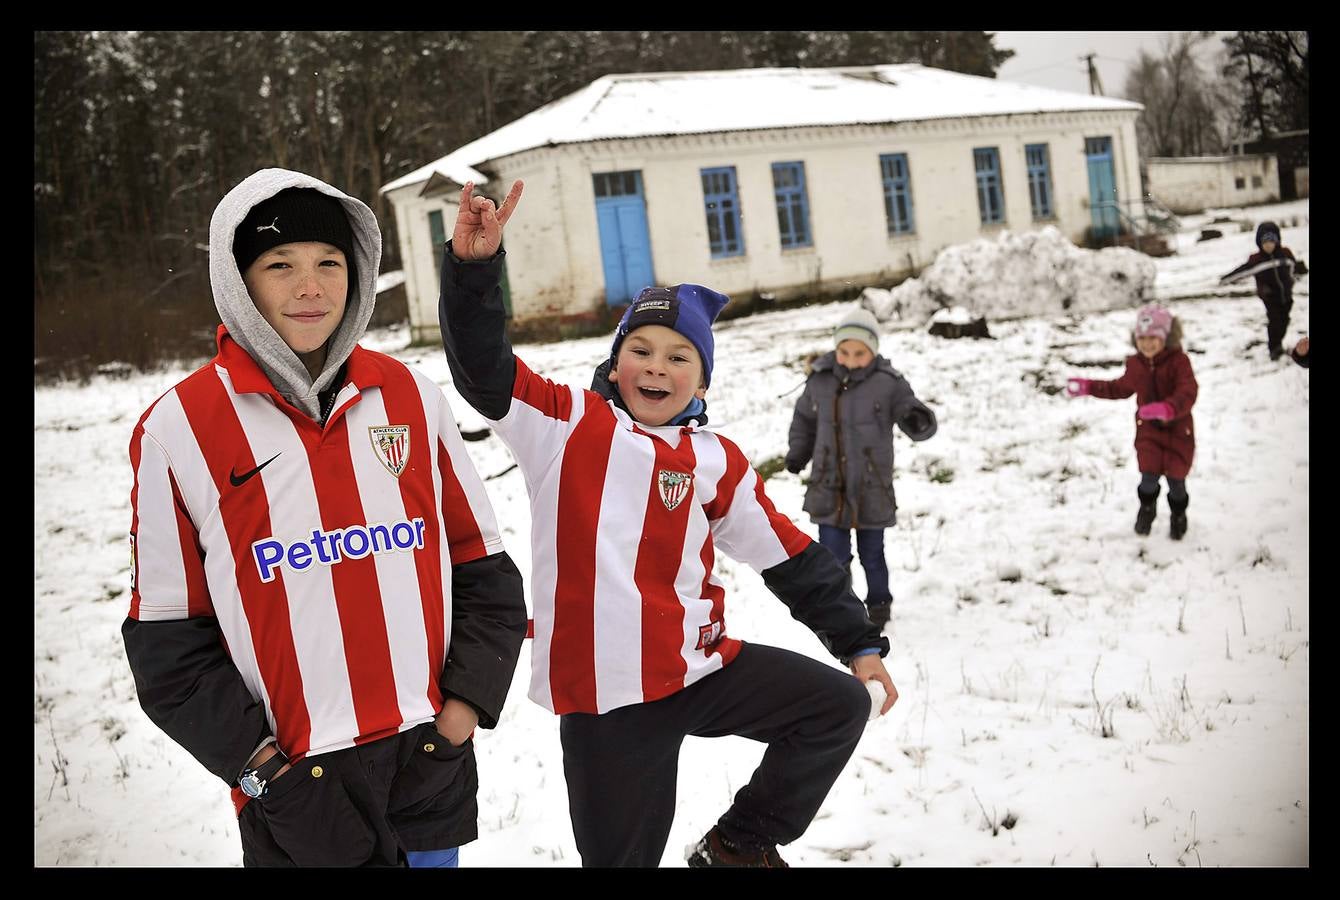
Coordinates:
1157 412
1077 387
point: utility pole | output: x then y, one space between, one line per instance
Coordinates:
1095 85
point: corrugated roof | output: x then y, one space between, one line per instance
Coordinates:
665 103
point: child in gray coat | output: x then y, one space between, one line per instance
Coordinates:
844 423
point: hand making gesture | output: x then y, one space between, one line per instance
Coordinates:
479 224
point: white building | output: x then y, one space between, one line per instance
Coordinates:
1190 184
785 181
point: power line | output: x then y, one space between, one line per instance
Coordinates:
1038 69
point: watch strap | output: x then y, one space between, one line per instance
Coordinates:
263 773
267 769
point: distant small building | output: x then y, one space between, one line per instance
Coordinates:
789 182
1190 184
1293 150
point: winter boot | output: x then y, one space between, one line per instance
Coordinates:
1144 519
1177 527
715 850
879 614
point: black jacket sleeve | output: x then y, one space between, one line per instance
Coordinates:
488 624
804 425
189 687
914 418
473 319
818 593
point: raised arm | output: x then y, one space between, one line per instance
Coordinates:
470 305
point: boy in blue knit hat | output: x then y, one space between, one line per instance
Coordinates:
1274 268
631 498
667 316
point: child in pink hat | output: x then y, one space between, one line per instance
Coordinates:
1160 376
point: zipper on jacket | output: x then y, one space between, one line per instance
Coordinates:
841 453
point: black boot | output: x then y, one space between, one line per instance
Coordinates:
1144 519
1177 527
715 850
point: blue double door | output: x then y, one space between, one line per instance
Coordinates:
625 245
1102 187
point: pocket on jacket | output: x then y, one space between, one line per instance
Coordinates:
436 778
822 495
878 506
312 819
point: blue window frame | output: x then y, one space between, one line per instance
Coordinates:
990 197
793 205
617 184
897 193
1039 180
721 202
1099 146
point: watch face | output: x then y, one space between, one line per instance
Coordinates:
251 785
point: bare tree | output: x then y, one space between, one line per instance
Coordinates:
1186 110
1273 69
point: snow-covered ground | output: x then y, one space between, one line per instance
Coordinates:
1071 694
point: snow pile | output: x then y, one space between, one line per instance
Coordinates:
1035 273
953 315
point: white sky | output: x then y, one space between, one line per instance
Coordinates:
1052 58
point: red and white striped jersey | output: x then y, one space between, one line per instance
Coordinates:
626 520
324 553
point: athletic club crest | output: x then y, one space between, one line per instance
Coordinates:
708 635
675 486
392 445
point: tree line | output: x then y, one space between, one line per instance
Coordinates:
139 134
1255 85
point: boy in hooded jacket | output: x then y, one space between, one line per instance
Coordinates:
321 608
631 498
1274 267
1160 376
844 422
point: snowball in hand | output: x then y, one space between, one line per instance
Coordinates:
877 697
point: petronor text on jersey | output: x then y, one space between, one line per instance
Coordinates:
329 547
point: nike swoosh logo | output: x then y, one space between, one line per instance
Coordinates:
239 480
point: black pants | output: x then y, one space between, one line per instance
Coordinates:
1149 484
1277 319
621 767
366 805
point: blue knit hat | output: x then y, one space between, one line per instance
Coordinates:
689 309
1267 231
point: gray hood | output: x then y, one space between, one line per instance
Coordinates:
244 321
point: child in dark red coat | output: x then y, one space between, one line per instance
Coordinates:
1160 376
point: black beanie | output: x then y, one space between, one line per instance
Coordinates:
290 216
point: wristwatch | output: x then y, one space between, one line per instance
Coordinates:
254 781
